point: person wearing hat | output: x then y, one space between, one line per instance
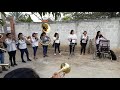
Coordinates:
35 42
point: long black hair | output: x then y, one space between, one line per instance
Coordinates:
8 34
19 35
42 34
97 35
55 34
71 31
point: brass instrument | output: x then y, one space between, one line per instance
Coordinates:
1 36
65 68
3 49
45 27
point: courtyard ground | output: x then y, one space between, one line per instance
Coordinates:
82 66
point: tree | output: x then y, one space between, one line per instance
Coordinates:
91 15
2 22
17 15
20 17
55 14
67 18
26 18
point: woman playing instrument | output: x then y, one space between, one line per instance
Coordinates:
23 47
83 42
45 41
56 43
35 42
72 38
11 48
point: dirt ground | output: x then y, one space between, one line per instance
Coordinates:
82 66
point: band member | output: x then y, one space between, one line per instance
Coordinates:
83 42
72 38
23 47
11 48
97 39
45 40
35 42
56 43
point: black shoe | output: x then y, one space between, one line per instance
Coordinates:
43 55
46 55
12 65
29 60
15 64
24 61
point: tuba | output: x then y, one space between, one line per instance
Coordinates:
45 27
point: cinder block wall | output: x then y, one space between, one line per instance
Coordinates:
110 29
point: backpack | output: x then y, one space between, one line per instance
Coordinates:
113 55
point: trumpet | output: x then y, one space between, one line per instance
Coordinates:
1 36
3 49
65 68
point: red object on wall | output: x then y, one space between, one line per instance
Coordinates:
44 20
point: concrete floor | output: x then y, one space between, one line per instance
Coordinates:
82 66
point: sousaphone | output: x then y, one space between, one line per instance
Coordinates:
46 27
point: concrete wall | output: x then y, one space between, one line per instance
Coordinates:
110 29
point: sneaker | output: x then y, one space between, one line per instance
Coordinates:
24 61
59 53
54 53
29 60
46 55
12 65
15 64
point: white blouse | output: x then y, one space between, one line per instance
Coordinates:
11 45
98 40
22 44
56 40
34 42
73 38
84 38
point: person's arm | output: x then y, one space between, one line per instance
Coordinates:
56 75
69 38
8 41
